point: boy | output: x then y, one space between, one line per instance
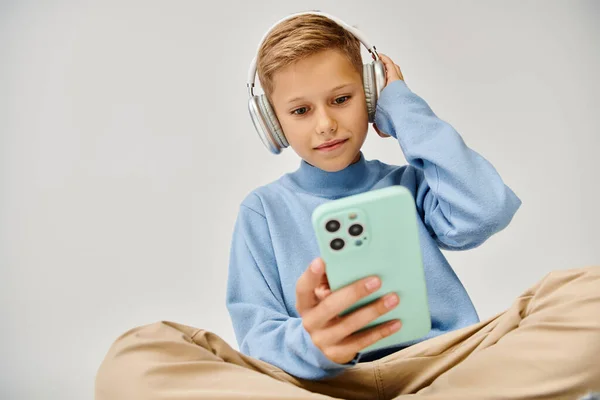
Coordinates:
293 344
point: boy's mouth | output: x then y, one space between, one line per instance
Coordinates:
331 145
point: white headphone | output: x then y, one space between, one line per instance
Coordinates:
262 114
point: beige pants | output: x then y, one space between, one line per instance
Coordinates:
546 346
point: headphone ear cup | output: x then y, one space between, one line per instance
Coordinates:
370 90
369 86
379 76
261 125
266 124
272 122
373 82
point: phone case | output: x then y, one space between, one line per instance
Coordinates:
376 233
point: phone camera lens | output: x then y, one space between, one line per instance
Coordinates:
337 244
332 226
355 230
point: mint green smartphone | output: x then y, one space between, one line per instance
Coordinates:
376 233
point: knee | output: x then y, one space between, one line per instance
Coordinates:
590 287
582 281
114 375
123 371
578 290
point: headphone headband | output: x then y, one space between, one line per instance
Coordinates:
357 34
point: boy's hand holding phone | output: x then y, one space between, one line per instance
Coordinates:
319 308
370 242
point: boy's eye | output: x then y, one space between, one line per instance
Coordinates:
341 100
300 111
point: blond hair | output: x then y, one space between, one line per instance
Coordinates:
298 38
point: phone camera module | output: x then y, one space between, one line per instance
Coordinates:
355 230
332 226
337 244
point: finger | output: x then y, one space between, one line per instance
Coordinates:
399 72
357 320
361 340
306 285
339 301
385 58
322 292
392 73
391 69
323 287
387 62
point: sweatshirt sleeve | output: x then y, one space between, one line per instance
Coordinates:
459 195
263 327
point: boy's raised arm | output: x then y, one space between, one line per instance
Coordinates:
459 194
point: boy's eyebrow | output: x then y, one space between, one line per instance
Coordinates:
338 87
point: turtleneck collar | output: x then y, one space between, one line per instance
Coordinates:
355 178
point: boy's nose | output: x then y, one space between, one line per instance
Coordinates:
325 124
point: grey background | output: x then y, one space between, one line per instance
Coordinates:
126 148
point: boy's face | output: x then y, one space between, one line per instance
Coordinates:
320 104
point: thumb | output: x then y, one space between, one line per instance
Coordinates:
312 278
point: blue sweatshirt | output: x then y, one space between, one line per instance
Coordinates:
460 198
